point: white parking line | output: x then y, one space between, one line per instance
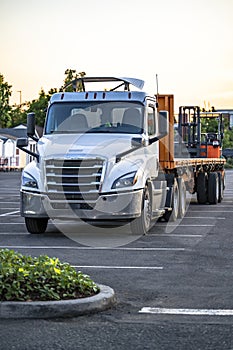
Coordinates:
120 267
5 202
13 233
9 195
90 248
9 208
174 235
10 213
204 217
190 312
12 223
211 211
184 225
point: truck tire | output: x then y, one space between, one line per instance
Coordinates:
213 188
175 202
172 215
142 224
202 188
221 187
182 198
36 225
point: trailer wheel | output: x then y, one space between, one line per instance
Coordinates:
142 224
173 214
36 225
182 198
221 187
213 188
175 202
223 180
202 188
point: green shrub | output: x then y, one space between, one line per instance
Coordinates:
40 278
229 163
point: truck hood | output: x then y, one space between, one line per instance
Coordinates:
70 146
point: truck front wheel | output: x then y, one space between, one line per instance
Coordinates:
36 225
141 225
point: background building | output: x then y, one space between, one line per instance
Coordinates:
11 157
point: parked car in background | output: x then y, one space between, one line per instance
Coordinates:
227 153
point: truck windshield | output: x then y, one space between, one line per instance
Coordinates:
94 117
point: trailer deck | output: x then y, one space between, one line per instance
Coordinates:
184 162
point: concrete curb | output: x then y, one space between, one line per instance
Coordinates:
63 308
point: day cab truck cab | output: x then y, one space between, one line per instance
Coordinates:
108 155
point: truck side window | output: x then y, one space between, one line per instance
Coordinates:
151 121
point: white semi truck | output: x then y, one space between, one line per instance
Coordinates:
108 155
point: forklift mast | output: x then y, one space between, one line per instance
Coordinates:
189 129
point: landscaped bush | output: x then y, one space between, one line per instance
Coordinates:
229 163
41 278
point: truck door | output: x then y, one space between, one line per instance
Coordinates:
151 121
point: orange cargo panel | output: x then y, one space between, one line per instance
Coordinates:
166 144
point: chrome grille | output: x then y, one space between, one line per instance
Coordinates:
74 180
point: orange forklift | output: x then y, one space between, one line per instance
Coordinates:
198 144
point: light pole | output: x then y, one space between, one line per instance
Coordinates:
20 98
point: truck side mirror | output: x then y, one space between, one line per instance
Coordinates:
22 142
137 142
163 124
31 124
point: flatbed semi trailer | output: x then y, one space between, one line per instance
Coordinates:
201 175
109 156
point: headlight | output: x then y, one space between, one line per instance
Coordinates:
126 180
29 181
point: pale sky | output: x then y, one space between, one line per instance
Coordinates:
188 43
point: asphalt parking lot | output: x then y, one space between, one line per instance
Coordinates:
173 286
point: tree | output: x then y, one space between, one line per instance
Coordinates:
70 75
5 109
40 105
228 139
12 116
211 125
18 116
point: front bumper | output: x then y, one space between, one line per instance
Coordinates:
118 206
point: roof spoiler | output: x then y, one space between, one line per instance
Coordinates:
138 83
